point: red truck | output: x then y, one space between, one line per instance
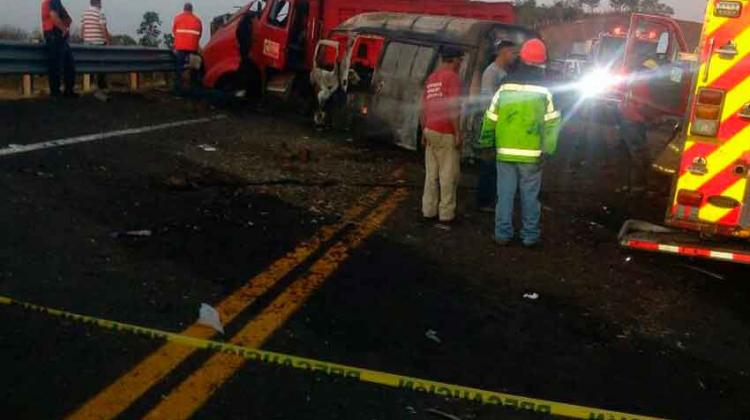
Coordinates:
283 35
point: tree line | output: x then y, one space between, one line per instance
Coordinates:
528 12
149 34
531 13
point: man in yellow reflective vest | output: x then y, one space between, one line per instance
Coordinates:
523 125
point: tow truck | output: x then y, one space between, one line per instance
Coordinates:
709 208
603 84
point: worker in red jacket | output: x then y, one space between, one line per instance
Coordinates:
187 30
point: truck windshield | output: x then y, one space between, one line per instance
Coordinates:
612 50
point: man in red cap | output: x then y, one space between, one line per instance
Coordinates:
523 125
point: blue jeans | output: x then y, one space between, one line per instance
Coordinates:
527 178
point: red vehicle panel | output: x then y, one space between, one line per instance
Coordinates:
286 32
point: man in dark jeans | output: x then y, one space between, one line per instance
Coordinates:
56 27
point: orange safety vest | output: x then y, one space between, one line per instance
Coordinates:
187 31
47 24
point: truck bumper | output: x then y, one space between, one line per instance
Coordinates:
644 236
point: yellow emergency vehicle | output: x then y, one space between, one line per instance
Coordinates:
709 214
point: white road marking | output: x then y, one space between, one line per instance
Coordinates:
25 148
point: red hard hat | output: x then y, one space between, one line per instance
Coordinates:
534 52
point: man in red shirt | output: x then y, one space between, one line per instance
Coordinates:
441 138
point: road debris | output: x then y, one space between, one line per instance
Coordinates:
443 414
432 335
628 259
703 271
209 316
409 409
531 296
145 233
101 96
207 148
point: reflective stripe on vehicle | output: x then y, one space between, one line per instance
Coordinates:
742 257
519 152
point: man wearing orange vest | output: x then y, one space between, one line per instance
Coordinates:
187 30
56 27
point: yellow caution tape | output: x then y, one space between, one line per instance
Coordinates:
353 373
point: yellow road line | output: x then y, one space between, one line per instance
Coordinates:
335 370
114 399
192 393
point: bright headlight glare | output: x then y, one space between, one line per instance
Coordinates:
597 82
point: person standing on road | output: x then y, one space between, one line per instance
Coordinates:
523 125
94 32
492 78
187 30
441 138
56 28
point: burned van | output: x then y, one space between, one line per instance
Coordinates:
374 67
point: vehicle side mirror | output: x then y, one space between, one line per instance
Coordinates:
663 46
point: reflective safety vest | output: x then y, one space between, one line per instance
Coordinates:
47 24
521 123
187 30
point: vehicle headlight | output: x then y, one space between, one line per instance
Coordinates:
597 82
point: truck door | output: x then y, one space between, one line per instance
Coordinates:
397 88
275 33
652 56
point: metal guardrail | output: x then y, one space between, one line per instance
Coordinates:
27 59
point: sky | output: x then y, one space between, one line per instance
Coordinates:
125 15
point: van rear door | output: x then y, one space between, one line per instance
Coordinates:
397 88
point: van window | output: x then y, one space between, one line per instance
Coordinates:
423 61
405 60
279 13
390 59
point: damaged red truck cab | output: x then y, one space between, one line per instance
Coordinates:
285 33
